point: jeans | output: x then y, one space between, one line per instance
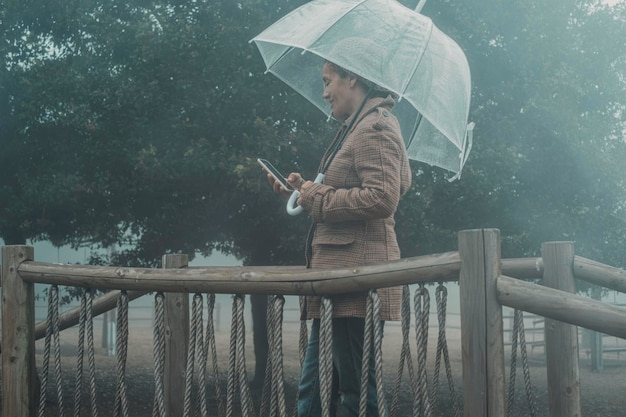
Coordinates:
347 354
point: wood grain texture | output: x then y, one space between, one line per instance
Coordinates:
18 342
176 341
481 324
561 338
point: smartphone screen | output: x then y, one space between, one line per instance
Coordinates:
282 180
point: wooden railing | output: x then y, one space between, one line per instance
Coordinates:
485 286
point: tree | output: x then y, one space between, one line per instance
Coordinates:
139 124
548 101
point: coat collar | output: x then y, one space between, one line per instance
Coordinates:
369 106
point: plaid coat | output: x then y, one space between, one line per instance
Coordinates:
353 209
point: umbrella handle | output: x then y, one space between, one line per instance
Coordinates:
294 209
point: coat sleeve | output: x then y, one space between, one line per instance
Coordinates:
377 159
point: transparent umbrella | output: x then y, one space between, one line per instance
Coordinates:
406 54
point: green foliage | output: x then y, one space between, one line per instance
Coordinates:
134 130
139 124
548 100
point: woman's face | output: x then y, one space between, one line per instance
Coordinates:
340 92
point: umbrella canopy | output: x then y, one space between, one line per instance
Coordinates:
392 46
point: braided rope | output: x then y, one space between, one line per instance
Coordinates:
57 350
405 355
422 307
267 399
440 339
232 375
303 341
201 355
91 363
365 359
326 355
378 349
441 296
85 325
513 364
121 399
158 409
210 344
530 397
276 356
46 360
52 333
78 391
247 408
191 350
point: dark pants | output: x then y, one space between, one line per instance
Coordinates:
347 354
258 305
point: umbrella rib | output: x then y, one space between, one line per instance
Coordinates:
418 121
357 4
276 61
405 36
420 55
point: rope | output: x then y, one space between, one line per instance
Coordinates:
518 332
231 381
46 361
405 356
190 361
85 325
158 409
244 388
326 355
237 362
91 363
121 341
422 307
530 397
441 296
365 359
303 341
378 349
266 398
513 368
57 351
210 343
276 356
201 354
304 331
80 354
52 332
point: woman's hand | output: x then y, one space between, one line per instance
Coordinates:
303 187
276 186
296 181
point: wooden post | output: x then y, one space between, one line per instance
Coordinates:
18 335
597 351
561 339
176 342
482 333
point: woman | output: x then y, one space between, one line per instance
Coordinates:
353 224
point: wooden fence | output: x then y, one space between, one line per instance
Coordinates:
486 285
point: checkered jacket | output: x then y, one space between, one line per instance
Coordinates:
353 209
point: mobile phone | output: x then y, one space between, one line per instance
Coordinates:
282 180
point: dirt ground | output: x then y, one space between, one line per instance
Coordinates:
602 393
